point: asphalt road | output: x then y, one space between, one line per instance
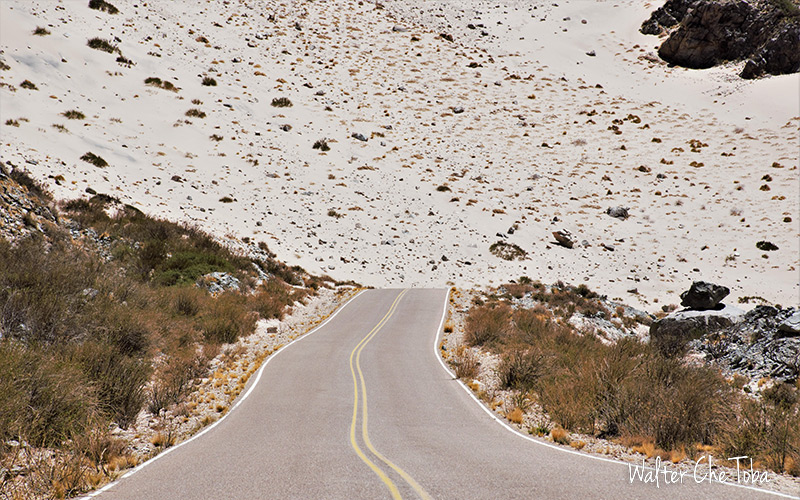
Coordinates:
301 433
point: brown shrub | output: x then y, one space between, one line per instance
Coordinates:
486 325
520 370
465 363
227 319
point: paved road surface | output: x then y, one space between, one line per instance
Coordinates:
300 434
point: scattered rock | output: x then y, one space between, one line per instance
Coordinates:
591 53
360 137
564 238
618 212
218 282
766 246
399 29
458 109
703 296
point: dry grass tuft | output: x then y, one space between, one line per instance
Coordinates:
560 435
515 415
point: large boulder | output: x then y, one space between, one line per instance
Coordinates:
705 33
702 296
790 327
672 333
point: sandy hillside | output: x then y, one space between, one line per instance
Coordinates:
464 139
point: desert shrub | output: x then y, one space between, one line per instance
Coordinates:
673 342
44 400
486 325
41 31
74 114
443 188
103 5
12 123
36 188
767 428
196 113
465 363
174 379
187 300
208 81
533 324
102 44
507 251
185 267
217 138
281 102
124 61
41 292
154 81
118 380
322 145
520 370
27 84
271 299
227 319
94 159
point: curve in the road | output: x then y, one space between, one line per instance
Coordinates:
507 427
220 420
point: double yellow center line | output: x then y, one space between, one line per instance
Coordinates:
355 367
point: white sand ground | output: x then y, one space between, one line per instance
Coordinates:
347 71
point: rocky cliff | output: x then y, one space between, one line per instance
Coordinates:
705 33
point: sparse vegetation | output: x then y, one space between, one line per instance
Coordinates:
507 251
103 5
281 102
333 213
215 137
12 123
154 81
73 114
41 31
208 81
627 390
322 145
94 159
27 84
196 113
124 61
102 44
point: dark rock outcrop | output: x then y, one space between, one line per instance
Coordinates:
756 346
704 33
671 334
702 296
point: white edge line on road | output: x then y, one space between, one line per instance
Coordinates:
542 443
246 394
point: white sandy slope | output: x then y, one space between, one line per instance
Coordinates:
346 71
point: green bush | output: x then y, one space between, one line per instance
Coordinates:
185 267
